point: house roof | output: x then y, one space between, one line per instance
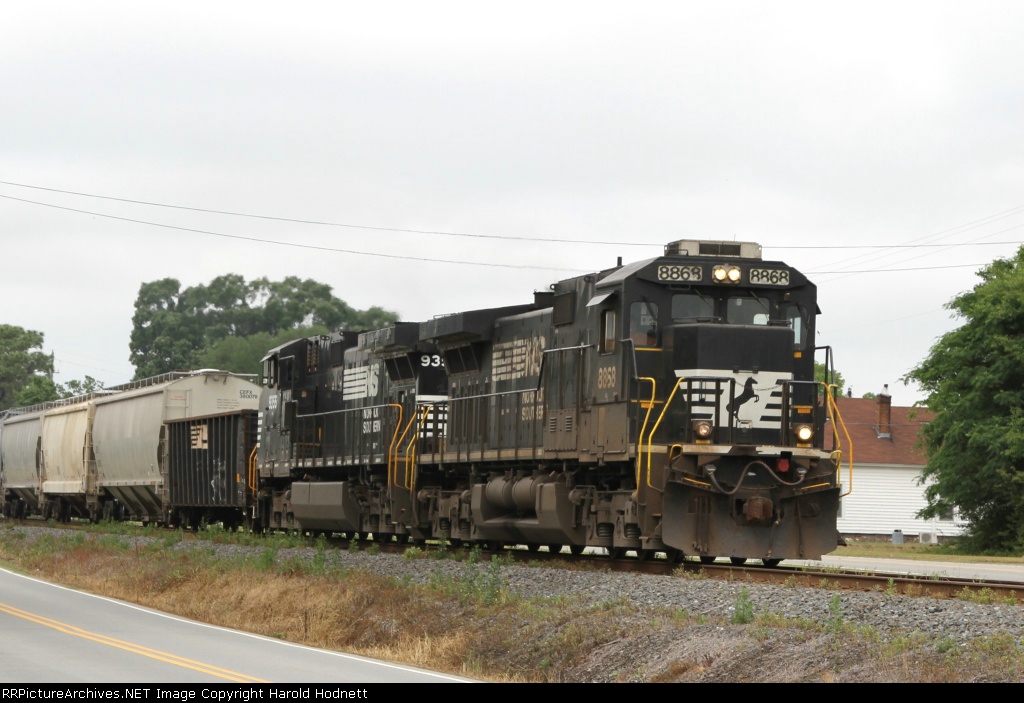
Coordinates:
873 441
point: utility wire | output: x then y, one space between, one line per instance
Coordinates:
292 244
332 224
325 223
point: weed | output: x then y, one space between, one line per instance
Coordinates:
890 588
743 609
413 553
373 549
834 623
169 539
791 582
266 560
319 563
946 645
353 544
475 554
985 596
683 572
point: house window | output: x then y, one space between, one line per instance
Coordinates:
946 515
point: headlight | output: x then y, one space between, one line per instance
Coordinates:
702 429
803 433
726 274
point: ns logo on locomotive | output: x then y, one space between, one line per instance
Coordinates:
668 405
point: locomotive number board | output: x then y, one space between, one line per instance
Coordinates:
680 273
770 277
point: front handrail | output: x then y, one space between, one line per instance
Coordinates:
253 477
837 421
394 439
650 438
650 406
410 449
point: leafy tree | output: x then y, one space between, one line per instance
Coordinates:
820 372
180 329
974 378
39 389
22 361
42 388
74 387
243 354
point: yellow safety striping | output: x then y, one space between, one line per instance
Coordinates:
131 647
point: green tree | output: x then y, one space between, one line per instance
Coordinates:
244 354
820 373
74 387
974 378
177 328
40 389
22 361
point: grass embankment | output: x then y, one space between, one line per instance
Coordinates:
951 551
474 626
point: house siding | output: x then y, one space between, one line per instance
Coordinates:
886 498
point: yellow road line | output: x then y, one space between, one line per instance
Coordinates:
131 647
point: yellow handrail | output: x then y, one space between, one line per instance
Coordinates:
837 421
410 466
394 437
252 468
650 438
650 406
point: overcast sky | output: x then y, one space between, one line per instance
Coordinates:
829 133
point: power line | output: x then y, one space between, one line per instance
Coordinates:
292 244
326 223
920 268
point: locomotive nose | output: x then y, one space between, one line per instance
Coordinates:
735 348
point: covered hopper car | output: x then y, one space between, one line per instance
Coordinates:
174 449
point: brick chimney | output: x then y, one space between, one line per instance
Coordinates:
884 426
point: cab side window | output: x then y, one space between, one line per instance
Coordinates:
609 332
796 321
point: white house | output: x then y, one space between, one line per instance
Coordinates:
884 494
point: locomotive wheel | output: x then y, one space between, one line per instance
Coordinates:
738 561
771 563
675 556
576 549
555 548
533 547
645 554
707 559
495 546
616 552
402 539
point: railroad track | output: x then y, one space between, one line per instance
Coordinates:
831 578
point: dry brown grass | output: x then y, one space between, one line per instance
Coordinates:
452 628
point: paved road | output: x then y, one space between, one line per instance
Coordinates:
51 634
1004 571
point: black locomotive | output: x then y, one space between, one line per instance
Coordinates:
667 405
